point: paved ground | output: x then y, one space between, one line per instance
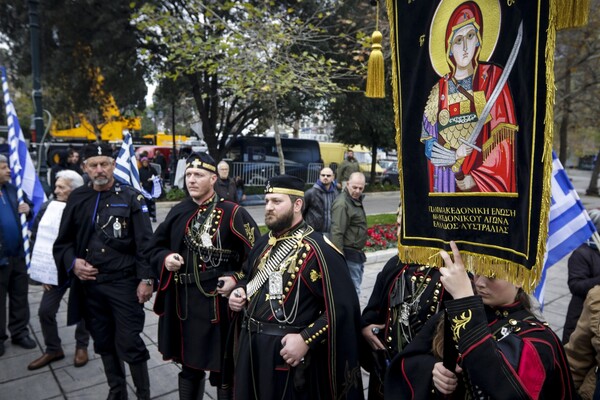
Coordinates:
61 380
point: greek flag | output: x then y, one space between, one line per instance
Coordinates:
156 187
570 225
22 171
126 171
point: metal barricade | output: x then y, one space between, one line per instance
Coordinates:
257 173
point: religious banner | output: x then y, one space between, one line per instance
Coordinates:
473 89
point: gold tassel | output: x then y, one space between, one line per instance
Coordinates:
376 71
572 13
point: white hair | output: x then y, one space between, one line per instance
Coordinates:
75 180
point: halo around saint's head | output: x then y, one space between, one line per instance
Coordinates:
490 12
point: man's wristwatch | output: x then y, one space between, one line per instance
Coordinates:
148 282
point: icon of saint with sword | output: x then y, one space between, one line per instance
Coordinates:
469 121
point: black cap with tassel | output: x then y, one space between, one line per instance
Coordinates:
376 71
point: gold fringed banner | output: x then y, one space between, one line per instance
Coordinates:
473 89
572 13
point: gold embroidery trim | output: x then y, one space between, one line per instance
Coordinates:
459 323
314 275
249 233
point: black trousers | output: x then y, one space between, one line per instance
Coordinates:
151 207
14 284
47 312
116 319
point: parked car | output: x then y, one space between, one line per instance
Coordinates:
387 162
390 176
587 162
255 159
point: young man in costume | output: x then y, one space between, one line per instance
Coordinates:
103 237
299 339
404 297
199 250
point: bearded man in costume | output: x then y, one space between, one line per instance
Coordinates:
199 250
299 338
453 109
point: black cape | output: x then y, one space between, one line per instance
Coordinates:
193 326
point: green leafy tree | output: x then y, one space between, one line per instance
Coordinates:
364 121
243 60
79 41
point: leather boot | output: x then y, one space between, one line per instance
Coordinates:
189 389
201 385
141 380
225 393
114 369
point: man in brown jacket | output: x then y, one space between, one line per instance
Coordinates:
583 349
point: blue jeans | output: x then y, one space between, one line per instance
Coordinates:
356 274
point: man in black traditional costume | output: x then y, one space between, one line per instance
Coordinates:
404 297
199 250
300 334
104 232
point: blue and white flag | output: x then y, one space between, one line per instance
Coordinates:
156 187
570 225
22 171
126 171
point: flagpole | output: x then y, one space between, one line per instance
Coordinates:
596 239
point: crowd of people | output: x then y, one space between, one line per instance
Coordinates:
277 315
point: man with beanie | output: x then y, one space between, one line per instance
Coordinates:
300 334
102 241
198 251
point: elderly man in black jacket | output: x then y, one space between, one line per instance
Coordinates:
102 242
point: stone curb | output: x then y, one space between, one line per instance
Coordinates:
374 257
